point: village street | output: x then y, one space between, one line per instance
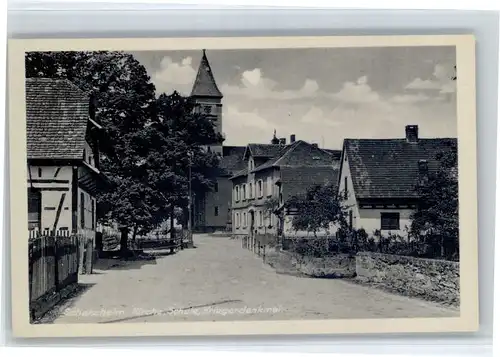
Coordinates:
219 280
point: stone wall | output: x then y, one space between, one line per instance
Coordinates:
436 280
336 266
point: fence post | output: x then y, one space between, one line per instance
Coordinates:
81 253
88 256
30 274
56 265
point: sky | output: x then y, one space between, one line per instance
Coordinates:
321 95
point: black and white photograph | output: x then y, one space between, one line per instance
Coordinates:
245 184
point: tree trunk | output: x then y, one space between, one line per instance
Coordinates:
124 241
134 233
172 230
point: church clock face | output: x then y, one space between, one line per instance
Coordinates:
207 109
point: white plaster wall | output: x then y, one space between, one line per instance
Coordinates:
87 210
50 199
350 203
370 220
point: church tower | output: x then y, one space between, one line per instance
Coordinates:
208 98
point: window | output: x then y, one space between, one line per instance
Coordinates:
34 208
244 191
261 189
82 210
244 219
216 186
250 164
251 191
261 219
237 219
269 186
350 219
345 188
216 211
207 109
39 172
389 221
236 194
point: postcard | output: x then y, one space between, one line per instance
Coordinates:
243 186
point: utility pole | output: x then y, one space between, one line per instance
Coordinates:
190 237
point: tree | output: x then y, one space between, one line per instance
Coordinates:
178 139
271 206
125 105
318 209
149 143
435 221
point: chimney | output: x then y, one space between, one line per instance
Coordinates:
411 133
282 141
292 138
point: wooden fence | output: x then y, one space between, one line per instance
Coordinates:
53 264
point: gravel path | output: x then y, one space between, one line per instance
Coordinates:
218 280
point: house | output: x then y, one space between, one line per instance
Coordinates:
272 174
211 210
62 157
378 178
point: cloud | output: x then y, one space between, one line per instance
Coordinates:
419 83
174 76
254 85
441 80
246 119
409 98
317 116
256 105
359 92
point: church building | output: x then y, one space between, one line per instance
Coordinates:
212 210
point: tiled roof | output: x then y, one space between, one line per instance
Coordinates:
336 153
232 159
297 180
57 114
242 172
388 168
265 150
204 84
300 153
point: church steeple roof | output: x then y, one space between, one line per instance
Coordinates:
204 84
